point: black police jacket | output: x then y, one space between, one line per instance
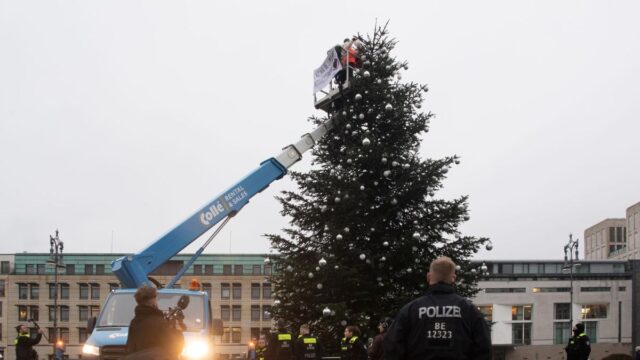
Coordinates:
280 347
307 347
439 325
24 346
150 333
579 347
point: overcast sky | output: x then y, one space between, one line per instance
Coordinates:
118 119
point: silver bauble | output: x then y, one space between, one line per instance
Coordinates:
385 244
394 163
363 257
310 275
337 199
388 107
383 259
366 142
458 268
347 230
489 246
343 323
319 286
338 237
326 312
361 187
384 160
366 74
361 116
416 235
322 262
358 97
348 126
394 202
409 270
386 173
289 268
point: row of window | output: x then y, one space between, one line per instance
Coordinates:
85 312
551 289
70 269
228 269
234 291
234 312
554 268
5 267
31 291
63 334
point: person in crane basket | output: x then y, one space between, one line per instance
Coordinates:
151 336
348 53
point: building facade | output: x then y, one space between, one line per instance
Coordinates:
237 285
614 239
530 305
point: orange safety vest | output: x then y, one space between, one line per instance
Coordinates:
351 57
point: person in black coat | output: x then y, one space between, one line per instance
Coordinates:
151 336
579 346
376 350
280 345
352 347
307 346
24 343
440 325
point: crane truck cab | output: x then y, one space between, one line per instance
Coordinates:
109 330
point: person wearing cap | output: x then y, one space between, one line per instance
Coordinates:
579 346
280 346
375 351
306 345
441 325
151 336
24 343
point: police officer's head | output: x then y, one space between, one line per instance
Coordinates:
351 330
442 269
304 329
147 296
22 329
578 328
262 342
282 325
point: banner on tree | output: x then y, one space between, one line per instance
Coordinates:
322 76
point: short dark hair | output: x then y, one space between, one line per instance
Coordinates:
580 327
354 330
144 294
346 40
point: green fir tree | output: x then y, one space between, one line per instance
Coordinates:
366 220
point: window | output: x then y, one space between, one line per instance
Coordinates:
95 291
34 313
100 269
226 269
94 310
521 333
71 269
225 291
206 287
236 314
34 291
521 312
561 332
622 288
237 291
255 333
507 269
596 289
52 312
113 287
487 311
88 269
225 313
226 335
550 289
23 313
266 312
255 312
256 270
267 269
236 333
64 291
266 291
83 313
83 334
64 334
504 290
238 269
197 269
208 269
83 291
594 311
562 311
255 291
52 291
23 292
30 269
64 313
591 329
1 288
5 267
40 269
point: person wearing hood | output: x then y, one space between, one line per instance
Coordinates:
376 351
579 346
24 343
151 336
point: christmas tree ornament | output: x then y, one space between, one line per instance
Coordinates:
361 116
484 267
338 237
363 256
276 302
310 275
405 166
385 244
319 286
489 246
384 160
409 270
326 312
289 268
337 199
388 107
394 163
343 323
366 74
386 173
394 202
317 268
416 235
336 267
375 183
383 259
348 126
358 97
361 187
347 230
322 262
366 142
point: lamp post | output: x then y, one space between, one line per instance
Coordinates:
569 261
55 258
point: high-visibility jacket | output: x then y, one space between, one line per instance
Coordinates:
307 347
24 346
352 349
280 347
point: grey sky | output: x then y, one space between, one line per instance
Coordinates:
127 116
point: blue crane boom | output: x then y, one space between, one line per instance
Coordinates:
133 270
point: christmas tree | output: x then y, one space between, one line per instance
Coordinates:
366 220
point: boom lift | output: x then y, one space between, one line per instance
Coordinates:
111 326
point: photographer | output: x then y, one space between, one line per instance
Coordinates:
24 343
151 336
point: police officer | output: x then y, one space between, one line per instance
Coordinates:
351 346
280 345
24 343
439 325
261 349
306 346
579 346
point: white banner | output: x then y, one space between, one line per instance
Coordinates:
322 76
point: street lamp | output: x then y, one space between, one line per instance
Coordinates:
570 249
55 258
